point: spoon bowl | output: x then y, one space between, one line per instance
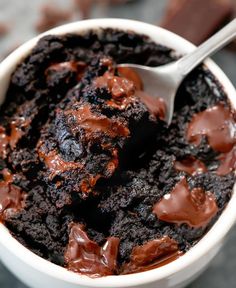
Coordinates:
159 83
164 81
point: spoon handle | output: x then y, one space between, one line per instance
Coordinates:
213 44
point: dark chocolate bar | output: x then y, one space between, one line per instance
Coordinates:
196 20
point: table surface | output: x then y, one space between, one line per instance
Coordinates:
21 16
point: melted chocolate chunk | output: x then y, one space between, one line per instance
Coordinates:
77 67
133 76
93 123
119 87
11 197
17 128
227 162
195 208
152 254
190 165
217 124
87 257
156 105
17 131
4 141
56 164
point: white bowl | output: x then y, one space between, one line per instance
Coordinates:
37 272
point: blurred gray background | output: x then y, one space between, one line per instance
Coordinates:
21 16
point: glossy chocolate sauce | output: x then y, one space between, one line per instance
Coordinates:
190 165
17 130
87 184
91 122
195 208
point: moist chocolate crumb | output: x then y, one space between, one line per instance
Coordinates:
87 152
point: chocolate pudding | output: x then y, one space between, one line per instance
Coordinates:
92 178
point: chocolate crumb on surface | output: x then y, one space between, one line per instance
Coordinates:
90 157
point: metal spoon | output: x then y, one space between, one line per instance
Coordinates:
164 81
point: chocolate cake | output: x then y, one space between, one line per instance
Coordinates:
92 178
